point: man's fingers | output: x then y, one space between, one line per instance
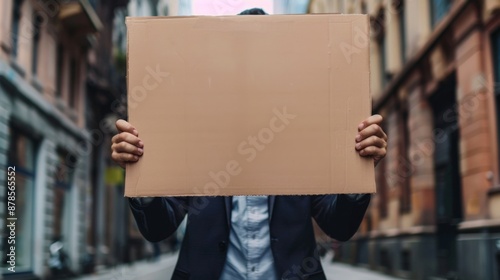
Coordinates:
124 157
375 119
129 138
124 147
125 126
372 130
373 151
371 141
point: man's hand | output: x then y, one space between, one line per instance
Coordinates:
371 140
126 146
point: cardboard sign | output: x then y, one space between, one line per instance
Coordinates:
249 105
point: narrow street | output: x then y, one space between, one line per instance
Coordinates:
163 268
144 270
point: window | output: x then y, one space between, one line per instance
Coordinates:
382 189
16 19
62 188
495 39
341 6
37 22
381 175
399 6
405 167
73 83
439 8
383 61
21 154
379 29
447 153
154 10
59 70
406 260
364 9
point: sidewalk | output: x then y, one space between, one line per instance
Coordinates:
345 271
340 271
163 268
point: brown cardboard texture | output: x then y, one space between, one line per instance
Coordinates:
249 105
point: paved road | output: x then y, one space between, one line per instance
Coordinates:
163 268
143 270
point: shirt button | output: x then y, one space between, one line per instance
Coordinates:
222 246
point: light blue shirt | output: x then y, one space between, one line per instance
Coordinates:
249 254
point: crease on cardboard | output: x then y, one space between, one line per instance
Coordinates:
368 81
186 183
137 183
344 187
127 20
330 98
342 154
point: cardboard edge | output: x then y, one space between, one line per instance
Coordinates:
370 96
135 18
272 194
127 166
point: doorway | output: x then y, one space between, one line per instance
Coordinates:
448 189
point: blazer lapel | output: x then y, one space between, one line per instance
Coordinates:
228 200
271 206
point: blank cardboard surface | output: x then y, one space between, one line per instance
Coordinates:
249 105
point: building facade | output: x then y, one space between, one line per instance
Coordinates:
62 87
435 76
43 47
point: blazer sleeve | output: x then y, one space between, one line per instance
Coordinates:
159 218
339 216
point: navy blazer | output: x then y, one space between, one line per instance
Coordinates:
203 251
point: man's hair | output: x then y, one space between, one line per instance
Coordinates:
254 11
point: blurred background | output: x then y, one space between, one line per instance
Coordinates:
435 77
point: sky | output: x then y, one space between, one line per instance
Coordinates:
228 7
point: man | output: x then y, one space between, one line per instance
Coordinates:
250 237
